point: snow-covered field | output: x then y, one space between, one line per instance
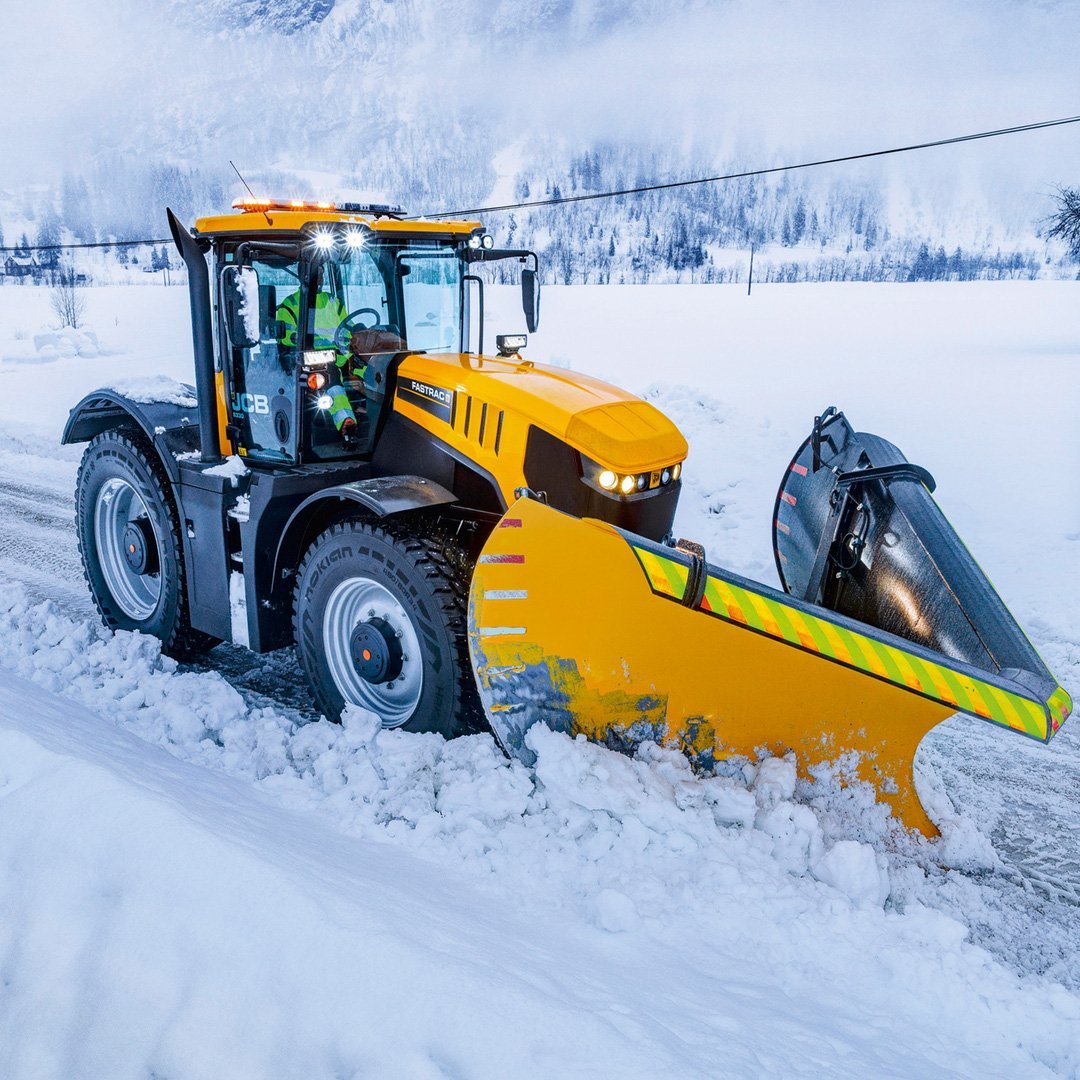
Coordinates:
199 878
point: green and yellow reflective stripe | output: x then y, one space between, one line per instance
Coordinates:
736 604
718 597
665 575
1019 718
807 629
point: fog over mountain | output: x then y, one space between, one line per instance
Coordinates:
449 105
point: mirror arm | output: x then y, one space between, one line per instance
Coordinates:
243 250
495 254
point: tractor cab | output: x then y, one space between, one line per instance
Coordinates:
314 320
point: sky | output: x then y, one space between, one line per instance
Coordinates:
762 81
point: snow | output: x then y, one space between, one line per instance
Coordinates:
255 870
198 877
233 468
247 284
154 389
51 343
238 616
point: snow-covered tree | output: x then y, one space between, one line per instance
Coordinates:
1065 221
48 235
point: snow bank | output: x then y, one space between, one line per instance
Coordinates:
713 886
145 934
50 344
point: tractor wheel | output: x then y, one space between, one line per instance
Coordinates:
129 540
379 618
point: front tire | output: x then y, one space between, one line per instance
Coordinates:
379 619
129 540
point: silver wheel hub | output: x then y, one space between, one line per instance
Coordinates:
128 548
372 650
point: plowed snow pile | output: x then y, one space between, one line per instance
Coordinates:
193 905
198 878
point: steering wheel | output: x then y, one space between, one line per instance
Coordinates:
348 325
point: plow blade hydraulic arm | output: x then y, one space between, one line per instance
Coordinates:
588 629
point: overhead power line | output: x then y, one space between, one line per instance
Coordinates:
668 186
754 172
75 247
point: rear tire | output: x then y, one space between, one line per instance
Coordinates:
123 502
395 594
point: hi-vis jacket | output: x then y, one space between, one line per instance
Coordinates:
329 315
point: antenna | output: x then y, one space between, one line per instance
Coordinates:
249 191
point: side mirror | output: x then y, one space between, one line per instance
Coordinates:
240 303
530 298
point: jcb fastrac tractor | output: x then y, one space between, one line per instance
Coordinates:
451 538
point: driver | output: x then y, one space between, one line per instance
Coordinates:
352 346
330 314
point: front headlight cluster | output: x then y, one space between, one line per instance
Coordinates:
616 483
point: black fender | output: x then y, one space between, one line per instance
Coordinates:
171 427
381 496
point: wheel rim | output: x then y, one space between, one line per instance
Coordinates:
361 600
118 507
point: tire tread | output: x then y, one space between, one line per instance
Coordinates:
433 552
182 640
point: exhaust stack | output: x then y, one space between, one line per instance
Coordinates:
202 336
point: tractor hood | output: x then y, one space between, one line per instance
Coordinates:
608 425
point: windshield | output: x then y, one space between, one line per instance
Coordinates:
389 297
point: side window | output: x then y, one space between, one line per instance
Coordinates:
262 404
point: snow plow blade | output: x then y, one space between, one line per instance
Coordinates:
591 630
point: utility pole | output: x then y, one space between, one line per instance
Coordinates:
750 279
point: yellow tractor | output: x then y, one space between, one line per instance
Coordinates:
453 539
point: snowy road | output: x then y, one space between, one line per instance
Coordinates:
240 721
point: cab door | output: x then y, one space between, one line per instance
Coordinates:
263 379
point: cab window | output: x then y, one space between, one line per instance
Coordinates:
431 298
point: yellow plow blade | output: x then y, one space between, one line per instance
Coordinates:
577 625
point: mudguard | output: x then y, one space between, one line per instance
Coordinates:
381 496
171 425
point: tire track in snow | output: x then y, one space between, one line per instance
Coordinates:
38 547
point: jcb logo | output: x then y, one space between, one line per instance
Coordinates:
251 403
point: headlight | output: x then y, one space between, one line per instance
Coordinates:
676 471
324 401
623 485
